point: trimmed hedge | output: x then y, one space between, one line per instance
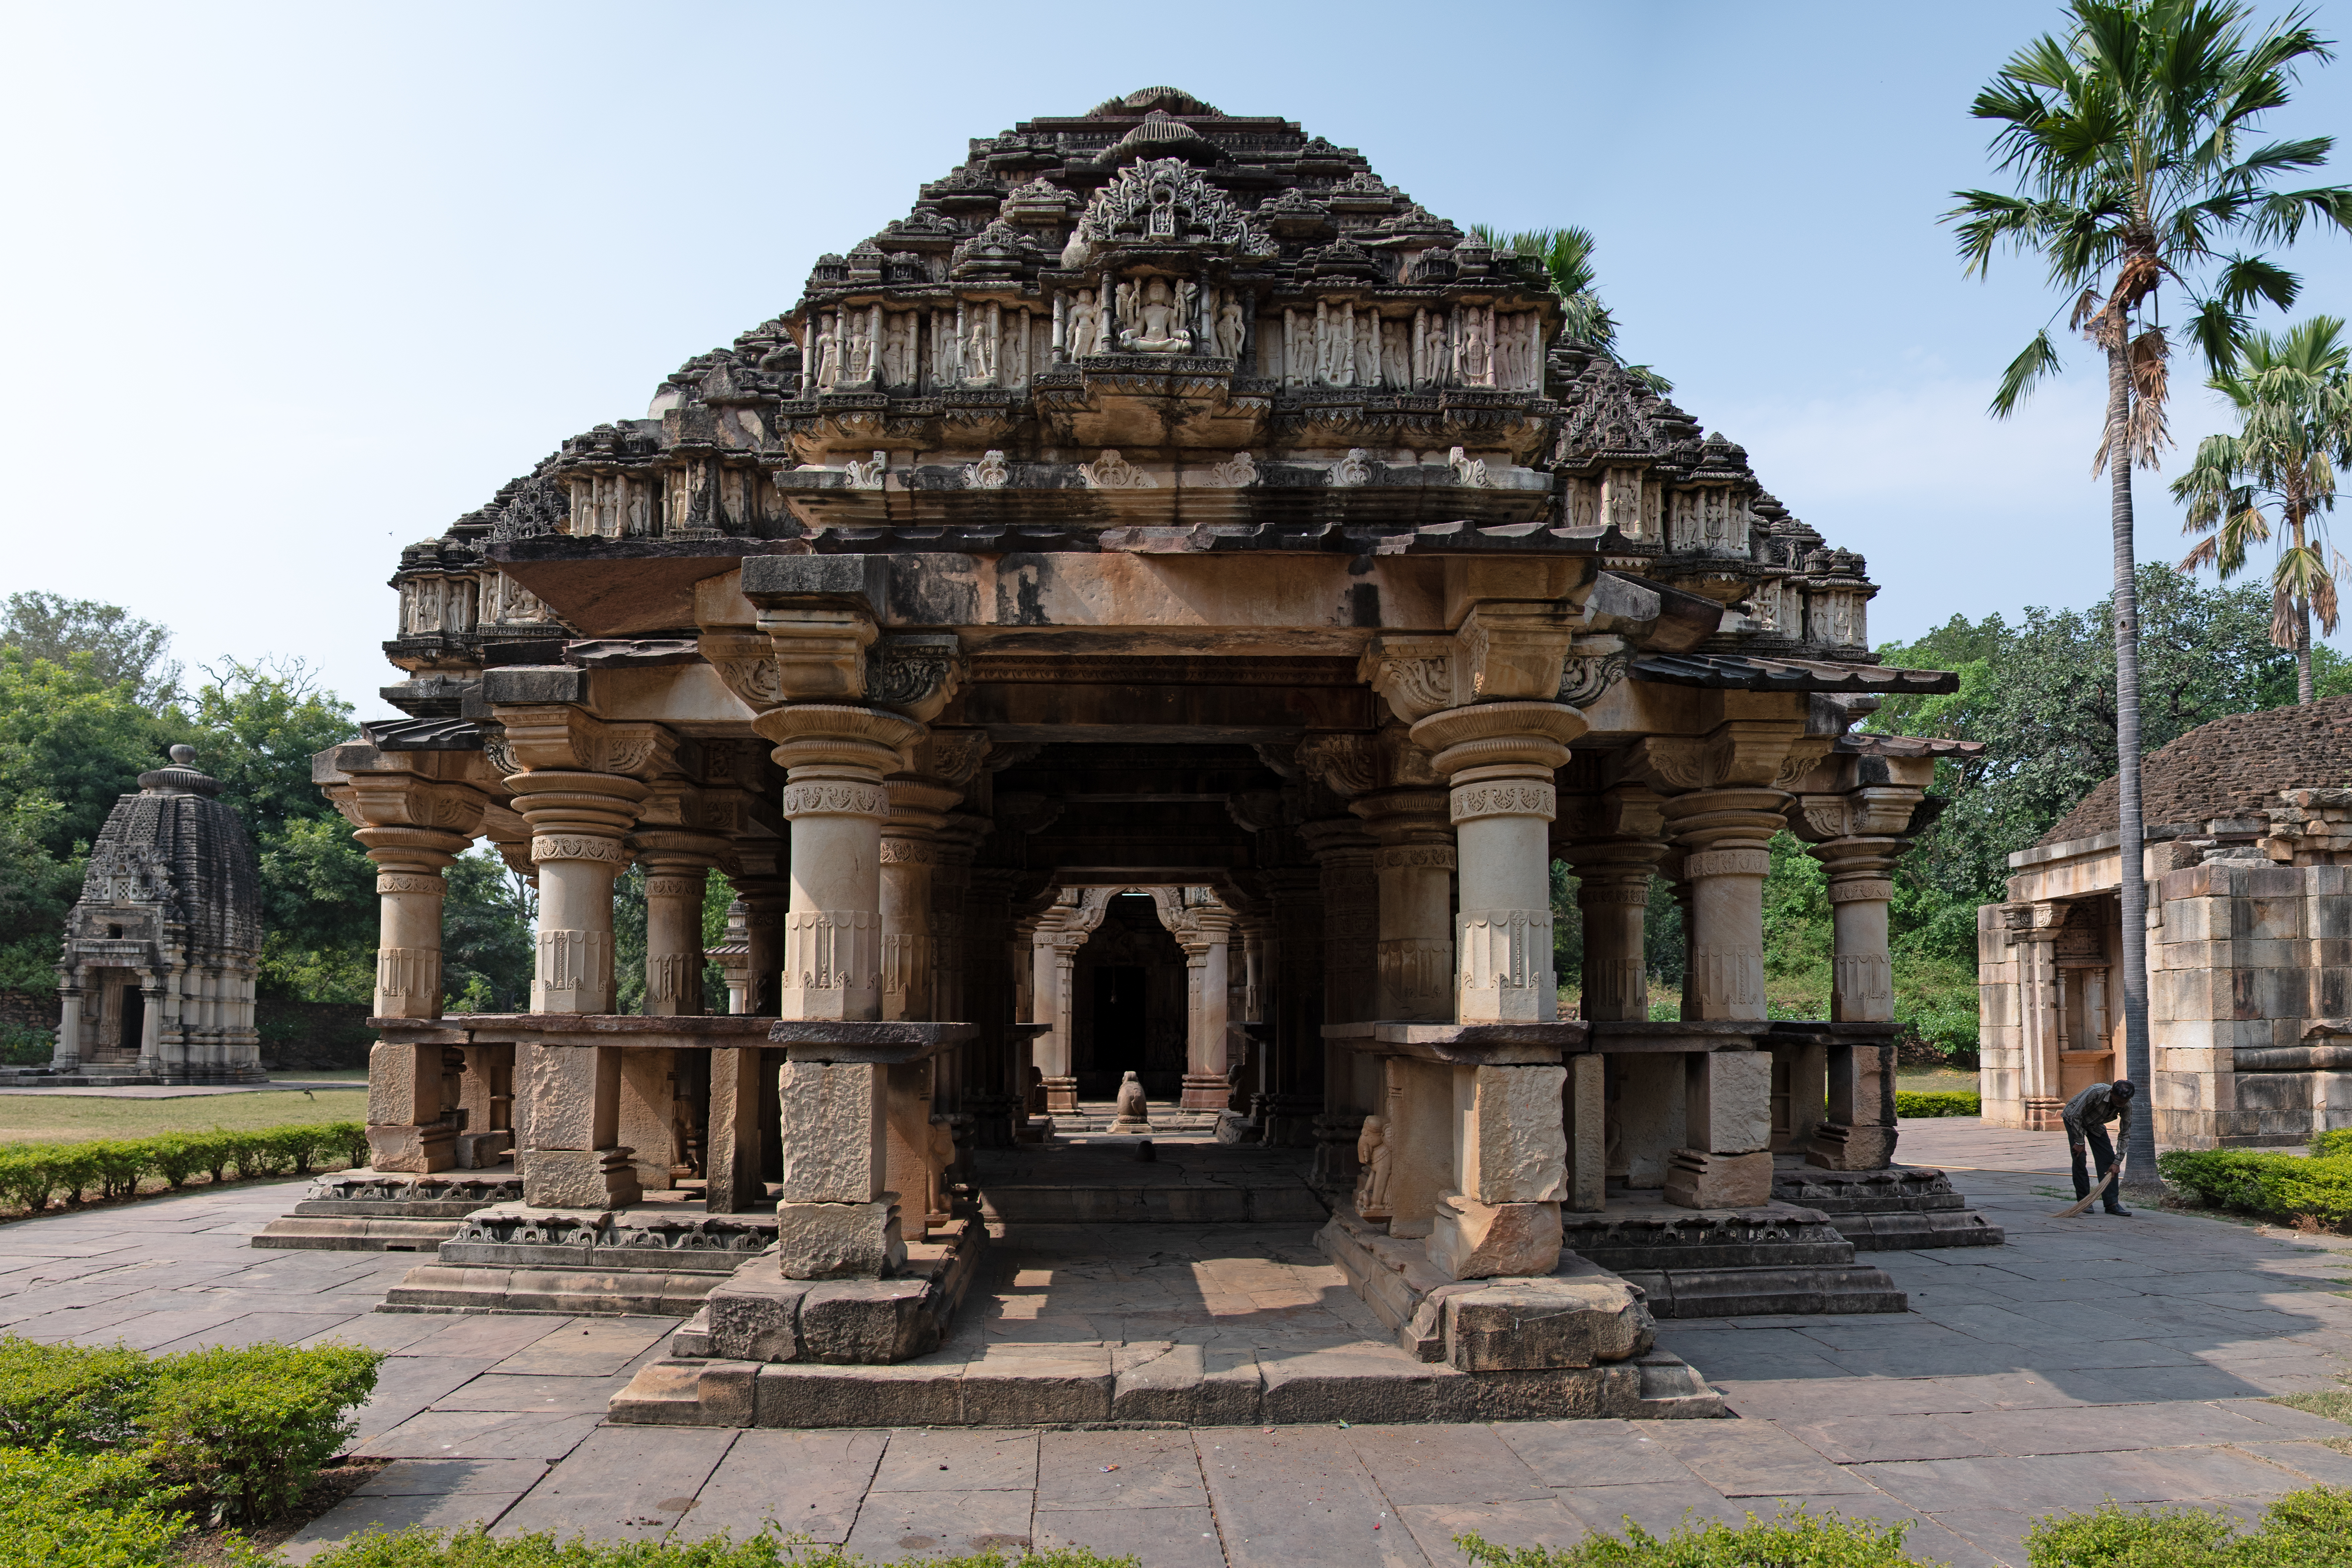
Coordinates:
70 1510
2267 1184
32 1174
1939 1102
2309 1529
241 1428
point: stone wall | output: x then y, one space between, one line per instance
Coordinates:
36 1009
2244 957
2233 767
313 1036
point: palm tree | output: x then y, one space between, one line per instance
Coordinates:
2294 430
2127 139
1567 256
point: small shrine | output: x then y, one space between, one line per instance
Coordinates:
156 981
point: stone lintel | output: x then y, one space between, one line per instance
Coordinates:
627 1030
885 1043
1479 1045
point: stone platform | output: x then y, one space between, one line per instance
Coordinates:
1161 1324
660 1256
387 1211
1895 1209
1719 1263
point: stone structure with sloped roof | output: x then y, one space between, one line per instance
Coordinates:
1166 506
2249 849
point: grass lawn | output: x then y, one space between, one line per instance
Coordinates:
57 1117
1917 1079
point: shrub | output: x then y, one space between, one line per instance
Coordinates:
1791 1539
219 1149
2302 1529
1939 1102
2337 1143
247 1425
301 1146
257 1154
82 1399
86 1511
351 1140
176 1157
2284 1187
117 1164
73 1168
250 1424
25 1178
2216 1178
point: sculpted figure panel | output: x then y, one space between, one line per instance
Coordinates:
1229 326
1085 326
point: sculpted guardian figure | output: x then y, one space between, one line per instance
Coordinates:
1372 1181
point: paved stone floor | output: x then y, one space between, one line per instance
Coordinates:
2088 1358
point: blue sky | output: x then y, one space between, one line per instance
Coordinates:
288 287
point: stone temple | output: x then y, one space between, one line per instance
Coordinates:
2249 864
1160 607
156 981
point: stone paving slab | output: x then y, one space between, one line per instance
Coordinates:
2084 1358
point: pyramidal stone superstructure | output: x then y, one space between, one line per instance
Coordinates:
161 950
1167 505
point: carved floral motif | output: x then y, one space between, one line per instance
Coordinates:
1112 472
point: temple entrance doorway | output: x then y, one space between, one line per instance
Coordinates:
1128 1012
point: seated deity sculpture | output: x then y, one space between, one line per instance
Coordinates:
1152 317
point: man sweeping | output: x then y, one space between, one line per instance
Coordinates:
2087 1116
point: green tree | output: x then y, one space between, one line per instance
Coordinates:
2042 695
255 727
121 646
1567 256
36 889
69 733
2294 428
486 936
2127 138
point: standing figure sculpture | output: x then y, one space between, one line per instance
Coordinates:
1372 1181
2085 1119
1229 327
1085 325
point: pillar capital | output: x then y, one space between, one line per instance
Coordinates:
1512 738
1405 815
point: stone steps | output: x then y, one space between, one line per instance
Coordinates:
356 1234
448 1288
1898 1208
1154 1384
1773 1257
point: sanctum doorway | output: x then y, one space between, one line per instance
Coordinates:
1128 1012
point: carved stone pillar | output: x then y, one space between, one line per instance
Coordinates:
1859 824
834 758
950 887
1348 911
2033 933
1056 936
1204 930
1500 758
66 1056
764 890
678 874
1725 836
1414 868
1613 842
